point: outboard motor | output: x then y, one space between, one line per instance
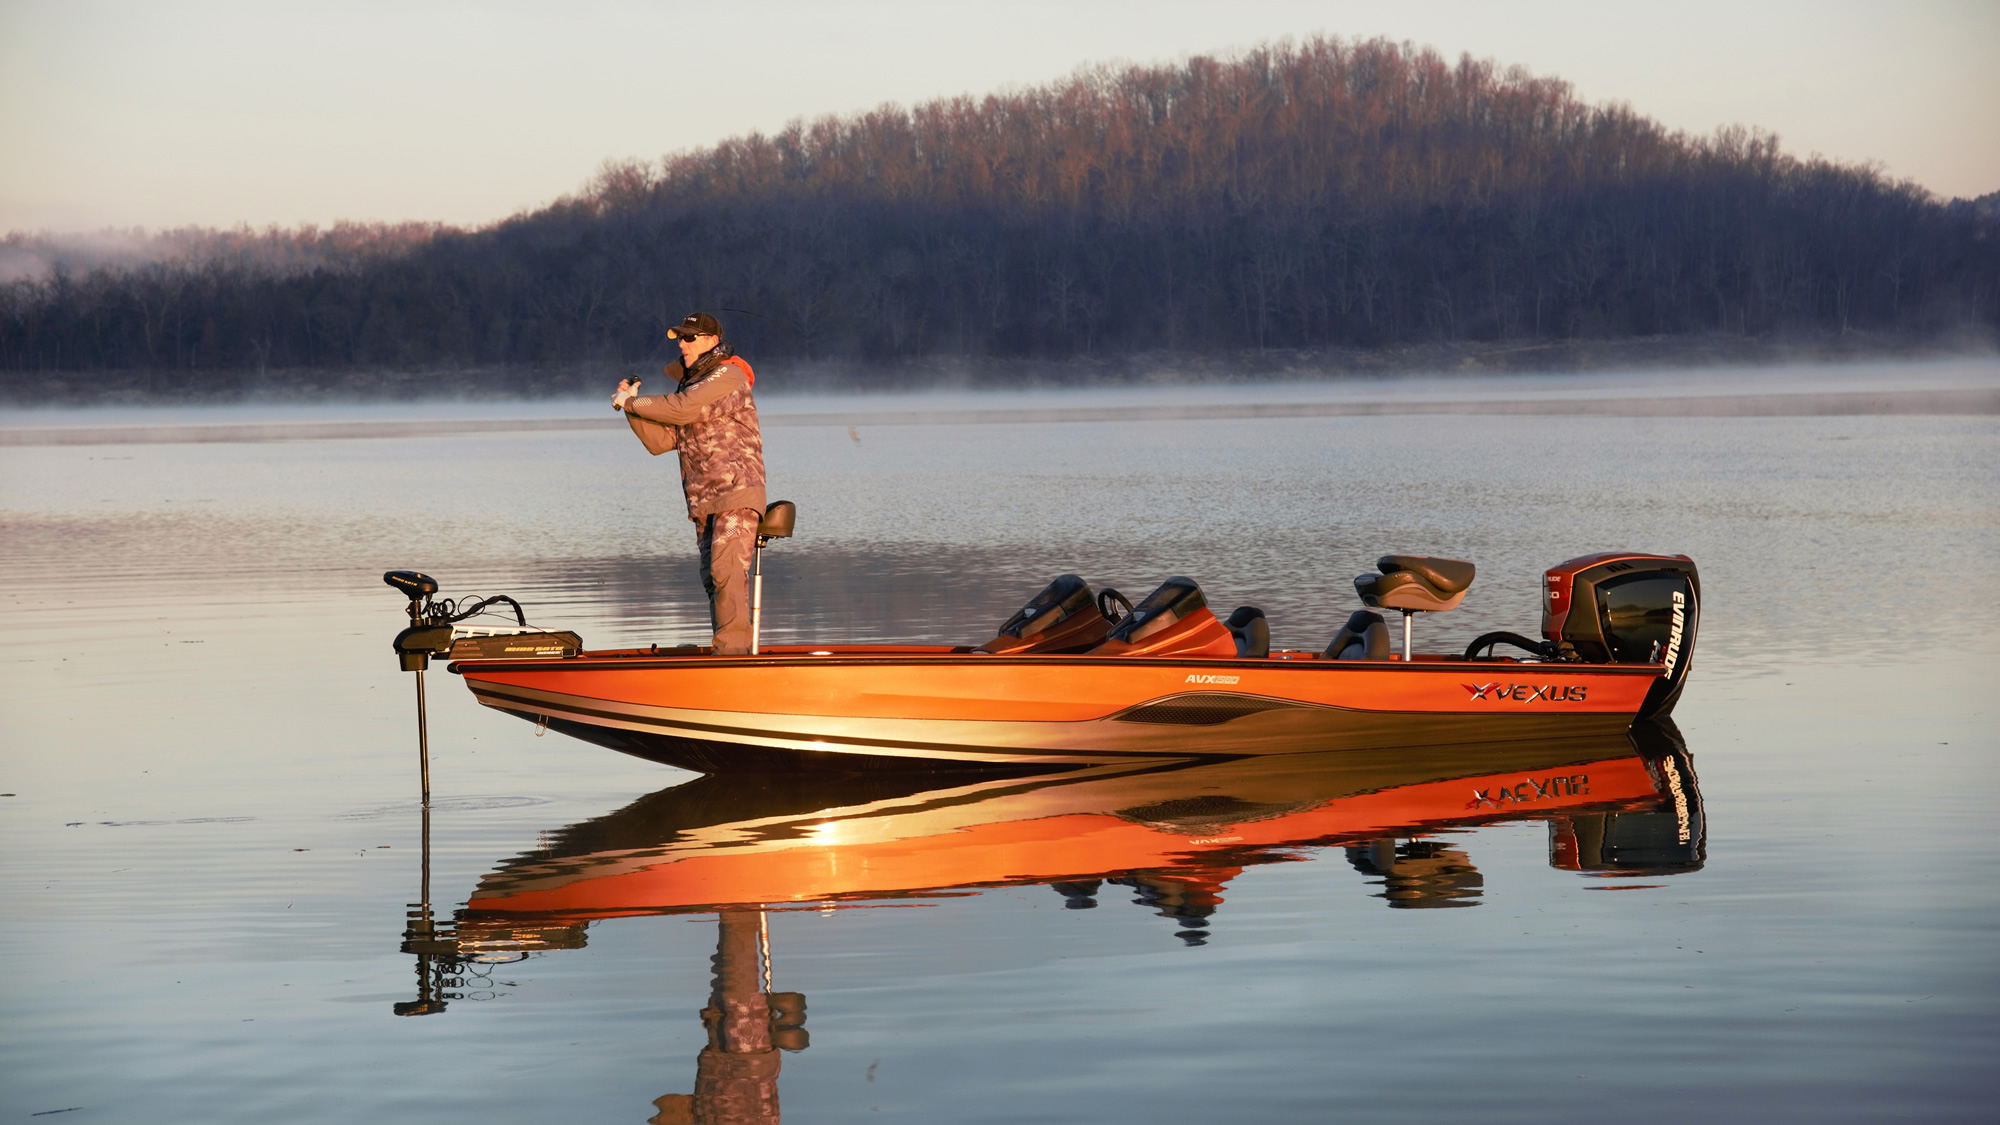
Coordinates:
1064 617
1620 607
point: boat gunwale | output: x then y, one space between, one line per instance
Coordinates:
958 656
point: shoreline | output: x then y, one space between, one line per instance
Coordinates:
1965 401
948 372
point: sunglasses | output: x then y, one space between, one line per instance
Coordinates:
682 335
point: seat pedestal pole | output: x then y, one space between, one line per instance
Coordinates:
756 593
1407 615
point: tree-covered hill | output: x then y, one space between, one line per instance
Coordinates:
1328 194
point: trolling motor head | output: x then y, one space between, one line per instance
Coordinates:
415 585
416 644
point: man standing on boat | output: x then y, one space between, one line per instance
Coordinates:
712 420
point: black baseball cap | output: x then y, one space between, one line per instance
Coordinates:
695 324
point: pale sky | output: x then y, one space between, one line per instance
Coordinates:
165 113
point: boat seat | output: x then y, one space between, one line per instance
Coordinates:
1065 617
1252 632
779 516
1415 583
1364 637
778 520
1174 620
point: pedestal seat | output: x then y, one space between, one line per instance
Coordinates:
1415 582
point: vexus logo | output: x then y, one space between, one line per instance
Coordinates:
1571 785
1528 693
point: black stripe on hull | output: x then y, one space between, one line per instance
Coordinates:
913 754
707 756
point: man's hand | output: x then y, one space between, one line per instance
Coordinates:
628 389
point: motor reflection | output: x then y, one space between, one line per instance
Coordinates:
456 956
1669 839
1167 836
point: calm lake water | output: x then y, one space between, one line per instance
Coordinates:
212 838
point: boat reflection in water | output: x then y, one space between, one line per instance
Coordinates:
1173 833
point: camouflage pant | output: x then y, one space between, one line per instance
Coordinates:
726 540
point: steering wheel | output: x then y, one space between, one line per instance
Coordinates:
1108 601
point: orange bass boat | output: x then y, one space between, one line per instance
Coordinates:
1077 678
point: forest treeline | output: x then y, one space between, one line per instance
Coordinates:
1325 194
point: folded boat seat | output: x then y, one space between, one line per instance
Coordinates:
1252 632
1174 620
779 519
1064 617
1364 637
1415 584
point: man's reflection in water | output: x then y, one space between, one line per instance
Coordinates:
736 1074
1419 874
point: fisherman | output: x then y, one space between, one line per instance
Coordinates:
711 418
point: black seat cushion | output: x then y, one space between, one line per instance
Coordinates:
1445 576
1251 630
1364 637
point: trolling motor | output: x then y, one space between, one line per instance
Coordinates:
415 646
430 634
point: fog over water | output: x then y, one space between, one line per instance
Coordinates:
212 830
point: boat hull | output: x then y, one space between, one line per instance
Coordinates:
903 708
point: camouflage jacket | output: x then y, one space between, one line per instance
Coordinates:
711 418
